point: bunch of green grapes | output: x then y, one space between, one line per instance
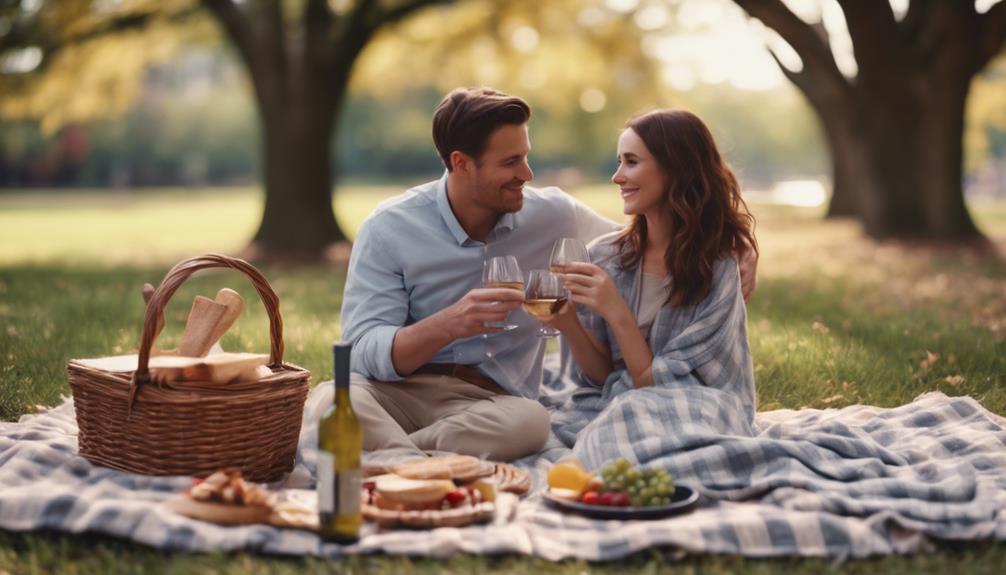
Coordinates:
645 488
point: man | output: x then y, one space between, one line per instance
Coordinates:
429 375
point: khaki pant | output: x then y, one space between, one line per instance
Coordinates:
442 413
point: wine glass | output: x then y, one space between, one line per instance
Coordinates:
502 272
544 296
566 251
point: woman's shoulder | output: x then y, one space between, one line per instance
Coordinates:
726 277
604 248
726 267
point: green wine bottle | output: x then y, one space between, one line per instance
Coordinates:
340 441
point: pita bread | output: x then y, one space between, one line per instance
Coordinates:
460 468
395 490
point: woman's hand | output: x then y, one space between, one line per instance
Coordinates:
747 262
591 286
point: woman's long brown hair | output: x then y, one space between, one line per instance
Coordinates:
702 203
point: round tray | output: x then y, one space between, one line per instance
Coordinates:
685 499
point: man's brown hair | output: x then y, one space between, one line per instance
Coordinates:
466 118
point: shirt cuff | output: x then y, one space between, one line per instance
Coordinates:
372 354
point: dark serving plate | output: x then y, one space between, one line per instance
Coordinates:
684 500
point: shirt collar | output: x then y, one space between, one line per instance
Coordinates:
506 224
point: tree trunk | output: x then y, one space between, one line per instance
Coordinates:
914 143
941 156
895 130
848 184
844 202
298 221
300 77
897 156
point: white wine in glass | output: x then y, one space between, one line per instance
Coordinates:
566 251
502 272
543 297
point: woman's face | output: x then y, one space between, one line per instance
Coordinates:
639 177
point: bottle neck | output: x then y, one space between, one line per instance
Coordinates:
342 396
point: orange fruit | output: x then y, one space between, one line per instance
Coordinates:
568 475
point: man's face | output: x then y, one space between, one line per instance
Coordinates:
502 170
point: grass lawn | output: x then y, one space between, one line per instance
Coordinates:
836 321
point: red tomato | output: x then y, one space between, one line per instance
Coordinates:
606 498
455 497
619 499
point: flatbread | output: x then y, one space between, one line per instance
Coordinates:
460 468
512 479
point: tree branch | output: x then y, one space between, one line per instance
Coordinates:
799 79
802 37
875 37
350 32
235 26
405 8
25 34
317 19
917 18
992 34
868 18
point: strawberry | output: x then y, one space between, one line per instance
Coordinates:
455 497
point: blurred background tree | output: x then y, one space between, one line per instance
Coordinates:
298 55
129 93
893 115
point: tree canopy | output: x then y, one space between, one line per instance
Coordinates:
586 64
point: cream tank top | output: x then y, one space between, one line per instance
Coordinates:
652 294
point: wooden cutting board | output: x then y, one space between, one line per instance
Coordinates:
216 368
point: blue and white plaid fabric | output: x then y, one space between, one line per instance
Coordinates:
854 482
699 350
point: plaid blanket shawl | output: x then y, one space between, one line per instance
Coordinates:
699 350
854 482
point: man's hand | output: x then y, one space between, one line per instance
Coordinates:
591 286
468 316
747 261
415 344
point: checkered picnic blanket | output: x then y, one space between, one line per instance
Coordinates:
843 483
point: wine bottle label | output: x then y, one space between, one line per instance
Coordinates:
326 482
349 492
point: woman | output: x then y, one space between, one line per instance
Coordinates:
661 305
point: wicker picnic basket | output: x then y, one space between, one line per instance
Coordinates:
128 422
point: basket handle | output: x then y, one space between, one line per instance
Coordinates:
171 282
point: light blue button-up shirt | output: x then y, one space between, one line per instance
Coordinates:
412 258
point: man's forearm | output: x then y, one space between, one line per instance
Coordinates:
416 344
